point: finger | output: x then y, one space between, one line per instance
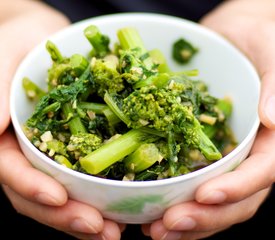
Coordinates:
203 217
71 217
267 97
160 232
122 227
145 228
18 174
111 231
258 170
193 220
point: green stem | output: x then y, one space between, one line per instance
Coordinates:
113 151
75 124
159 59
162 79
207 147
51 108
99 41
129 38
63 161
142 158
225 105
78 63
32 90
158 80
115 109
102 109
54 52
97 108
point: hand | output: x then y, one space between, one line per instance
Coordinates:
229 199
249 25
224 200
44 199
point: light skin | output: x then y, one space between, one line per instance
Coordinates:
246 23
229 199
44 199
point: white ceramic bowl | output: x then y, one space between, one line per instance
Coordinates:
226 71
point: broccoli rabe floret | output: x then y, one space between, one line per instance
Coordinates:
161 109
192 92
106 76
64 70
56 146
132 67
135 61
82 144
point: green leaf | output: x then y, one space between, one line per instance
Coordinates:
135 205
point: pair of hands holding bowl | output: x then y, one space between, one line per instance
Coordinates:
220 202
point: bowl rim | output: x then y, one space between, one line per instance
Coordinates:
118 183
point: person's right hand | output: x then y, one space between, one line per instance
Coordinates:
45 200
31 192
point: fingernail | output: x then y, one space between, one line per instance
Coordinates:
47 199
81 225
184 223
171 235
213 197
270 109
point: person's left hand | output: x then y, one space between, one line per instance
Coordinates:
235 196
223 201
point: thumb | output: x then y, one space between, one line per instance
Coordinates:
266 66
261 51
15 42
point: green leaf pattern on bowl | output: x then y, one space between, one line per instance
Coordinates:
137 204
